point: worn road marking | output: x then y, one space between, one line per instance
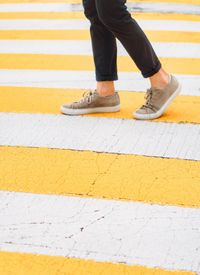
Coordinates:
162 234
109 135
125 177
101 230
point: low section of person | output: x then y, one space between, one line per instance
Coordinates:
110 20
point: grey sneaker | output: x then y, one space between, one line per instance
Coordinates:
92 102
158 100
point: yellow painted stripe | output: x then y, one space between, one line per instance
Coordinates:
34 100
100 175
154 36
80 15
191 2
78 62
29 264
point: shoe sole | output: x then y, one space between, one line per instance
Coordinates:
75 112
162 110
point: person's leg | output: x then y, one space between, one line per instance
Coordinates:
115 16
104 99
164 87
104 50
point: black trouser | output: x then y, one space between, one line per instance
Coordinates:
109 20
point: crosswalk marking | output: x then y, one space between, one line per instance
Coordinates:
19 80
163 7
80 15
155 36
134 178
80 62
30 100
136 169
47 265
76 24
169 140
184 8
81 47
193 2
101 230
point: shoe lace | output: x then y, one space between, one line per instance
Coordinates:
87 96
148 98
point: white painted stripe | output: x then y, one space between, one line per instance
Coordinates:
101 135
129 81
164 7
80 47
101 230
136 6
84 24
43 24
39 7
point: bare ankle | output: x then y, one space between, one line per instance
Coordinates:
160 79
105 88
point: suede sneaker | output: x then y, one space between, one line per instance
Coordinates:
158 100
92 102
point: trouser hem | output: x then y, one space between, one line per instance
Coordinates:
152 72
106 78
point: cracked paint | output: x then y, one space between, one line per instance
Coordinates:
133 233
119 136
90 236
111 176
